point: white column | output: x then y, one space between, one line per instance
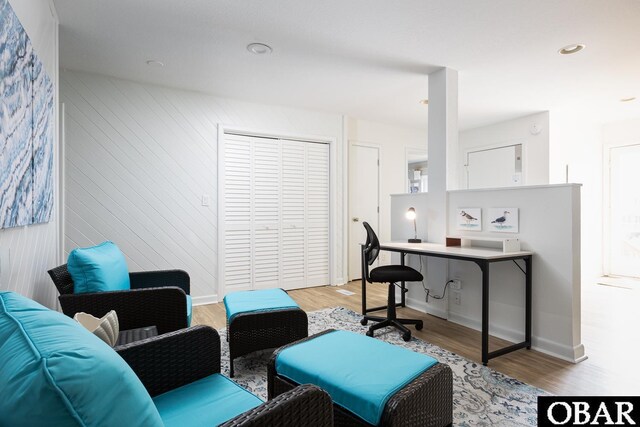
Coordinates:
442 148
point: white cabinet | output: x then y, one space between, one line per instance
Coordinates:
275 211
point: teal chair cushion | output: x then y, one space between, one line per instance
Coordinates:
98 269
254 301
360 373
189 310
54 372
207 402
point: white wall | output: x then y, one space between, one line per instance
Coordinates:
556 267
26 253
535 147
623 132
140 157
576 142
393 142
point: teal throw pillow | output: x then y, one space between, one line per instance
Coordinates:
98 269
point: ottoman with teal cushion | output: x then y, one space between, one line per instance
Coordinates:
257 320
371 382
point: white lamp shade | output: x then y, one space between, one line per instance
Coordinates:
411 214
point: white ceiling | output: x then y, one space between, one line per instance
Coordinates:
369 58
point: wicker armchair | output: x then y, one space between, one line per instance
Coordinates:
172 360
156 298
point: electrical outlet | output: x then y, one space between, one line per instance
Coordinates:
456 284
456 297
383 256
206 200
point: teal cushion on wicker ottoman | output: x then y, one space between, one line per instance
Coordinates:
55 372
208 402
254 301
360 373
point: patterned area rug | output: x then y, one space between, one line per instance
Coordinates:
481 396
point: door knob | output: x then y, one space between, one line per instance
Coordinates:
354 219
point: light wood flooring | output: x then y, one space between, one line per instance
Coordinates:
610 321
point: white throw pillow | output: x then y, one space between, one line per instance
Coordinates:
106 328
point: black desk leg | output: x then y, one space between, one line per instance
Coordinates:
364 281
402 285
529 279
484 266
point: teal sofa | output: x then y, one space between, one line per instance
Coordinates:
55 372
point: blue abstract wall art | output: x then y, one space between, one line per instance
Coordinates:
26 128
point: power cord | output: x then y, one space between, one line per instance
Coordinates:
427 291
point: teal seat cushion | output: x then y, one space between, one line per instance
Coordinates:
360 373
55 372
98 269
253 301
207 402
189 310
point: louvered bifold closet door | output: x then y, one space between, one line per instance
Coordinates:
237 211
317 214
266 213
293 214
275 206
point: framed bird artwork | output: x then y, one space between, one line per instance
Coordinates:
469 219
503 220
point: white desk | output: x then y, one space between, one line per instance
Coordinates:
483 257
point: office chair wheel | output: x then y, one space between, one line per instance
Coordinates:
369 333
406 336
419 326
364 321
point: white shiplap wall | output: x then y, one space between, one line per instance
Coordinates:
140 157
26 253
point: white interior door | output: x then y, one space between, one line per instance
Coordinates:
364 181
496 167
624 211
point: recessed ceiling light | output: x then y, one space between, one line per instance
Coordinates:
570 49
631 98
259 48
424 101
155 63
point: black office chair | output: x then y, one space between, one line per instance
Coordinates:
390 274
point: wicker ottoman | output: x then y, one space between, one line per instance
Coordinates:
262 319
422 399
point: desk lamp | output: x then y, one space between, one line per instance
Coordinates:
411 215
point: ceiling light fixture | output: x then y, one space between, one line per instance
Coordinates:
571 49
259 48
424 101
155 63
631 98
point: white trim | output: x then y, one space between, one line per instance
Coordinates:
524 187
333 205
606 204
351 143
60 208
204 300
345 201
423 307
543 345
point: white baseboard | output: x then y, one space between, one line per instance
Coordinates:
425 308
339 282
543 345
204 300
